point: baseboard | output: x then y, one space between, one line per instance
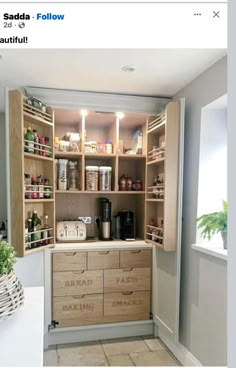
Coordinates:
185 357
98 332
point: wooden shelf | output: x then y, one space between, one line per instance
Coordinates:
154 200
61 154
155 162
155 243
99 155
39 200
98 192
157 128
36 119
132 157
34 250
37 157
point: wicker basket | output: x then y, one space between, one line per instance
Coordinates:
11 295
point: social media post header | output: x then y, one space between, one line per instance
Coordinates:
119 25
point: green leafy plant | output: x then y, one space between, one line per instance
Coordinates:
213 223
7 258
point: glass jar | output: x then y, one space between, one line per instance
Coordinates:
28 188
105 178
108 147
47 190
73 175
91 178
35 193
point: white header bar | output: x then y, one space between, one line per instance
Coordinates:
113 25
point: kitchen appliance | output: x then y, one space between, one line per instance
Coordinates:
127 225
104 220
71 231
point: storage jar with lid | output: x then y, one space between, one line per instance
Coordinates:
108 147
91 178
105 178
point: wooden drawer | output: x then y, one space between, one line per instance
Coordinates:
69 261
132 279
136 258
77 283
129 305
78 310
103 259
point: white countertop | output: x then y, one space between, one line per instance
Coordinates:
21 336
99 245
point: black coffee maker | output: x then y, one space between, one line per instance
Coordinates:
127 225
104 220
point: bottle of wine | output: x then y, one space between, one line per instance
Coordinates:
36 224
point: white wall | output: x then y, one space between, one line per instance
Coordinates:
203 277
3 200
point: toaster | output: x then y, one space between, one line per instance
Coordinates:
71 230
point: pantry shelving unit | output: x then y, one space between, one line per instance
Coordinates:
162 161
155 207
21 116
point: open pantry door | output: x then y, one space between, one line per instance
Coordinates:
167 265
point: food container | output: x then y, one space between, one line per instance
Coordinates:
62 179
108 147
101 147
91 178
90 147
105 178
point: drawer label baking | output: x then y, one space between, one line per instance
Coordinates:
80 282
126 280
126 303
88 307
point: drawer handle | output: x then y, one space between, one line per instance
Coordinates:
78 296
78 272
127 269
135 251
104 252
127 293
70 254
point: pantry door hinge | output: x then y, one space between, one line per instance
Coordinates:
151 315
53 325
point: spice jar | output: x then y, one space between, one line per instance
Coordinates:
39 182
48 152
47 190
35 193
28 188
108 147
42 147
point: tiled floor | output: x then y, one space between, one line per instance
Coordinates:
130 351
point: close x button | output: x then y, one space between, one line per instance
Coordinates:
216 14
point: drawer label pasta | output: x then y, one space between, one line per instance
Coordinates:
126 280
81 282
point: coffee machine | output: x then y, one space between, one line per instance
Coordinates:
104 220
127 225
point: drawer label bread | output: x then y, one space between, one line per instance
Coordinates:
81 282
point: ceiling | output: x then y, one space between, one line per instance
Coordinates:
159 72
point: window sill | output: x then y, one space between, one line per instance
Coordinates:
215 252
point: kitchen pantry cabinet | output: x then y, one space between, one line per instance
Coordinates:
156 165
106 295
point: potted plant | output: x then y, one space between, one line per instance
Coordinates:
11 291
213 223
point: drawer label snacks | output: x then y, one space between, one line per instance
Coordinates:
126 303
